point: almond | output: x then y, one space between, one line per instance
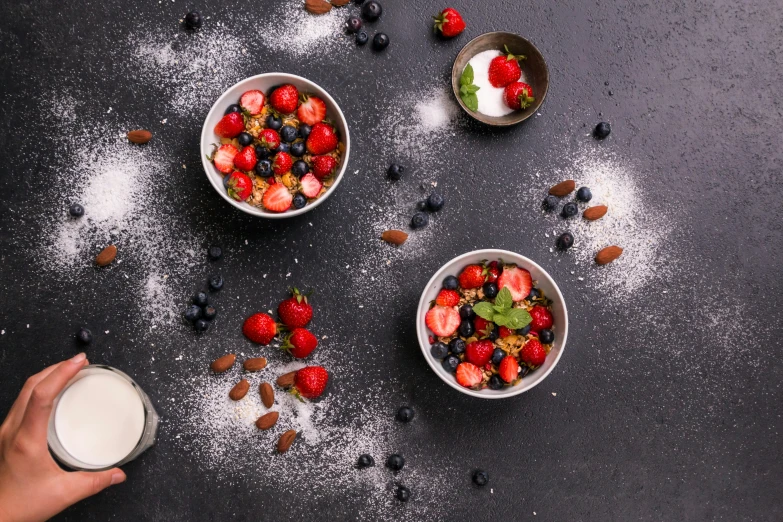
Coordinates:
106 255
255 364
267 420
286 439
223 363
239 390
596 212
139 136
286 380
563 188
267 394
395 237
340 3
317 7
608 254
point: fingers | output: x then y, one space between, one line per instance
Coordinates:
16 412
39 407
82 484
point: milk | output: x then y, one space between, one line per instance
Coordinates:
100 418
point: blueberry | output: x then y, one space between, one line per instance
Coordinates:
480 477
466 312
395 171
403 494
288 133
262 152
435 202
565 241
420 220
450 282
244 139
209 312
300 201
490 289
234 107
372 11
457 346
550 202
395 462
201 299
216 282
439 350
546 336
215 252
298 149
421 205
584 194
300 168
365 461
602 130
193 20
494 334
304 131
466 328
353 24
533 294
76 210
358 2
201 325
361 38
524 369
193 313
569 210
263 168
405 414
226 179
84 336
497 356
450 363
283 147
274 122
380 42
495 383
524 331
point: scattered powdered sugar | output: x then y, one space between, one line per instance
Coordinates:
291 30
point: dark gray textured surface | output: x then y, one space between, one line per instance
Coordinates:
637 431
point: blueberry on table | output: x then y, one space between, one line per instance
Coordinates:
421 205
216 282
490 289
602 130
244 139
570 210
480 477
372 10
395 462
201 299
380 42
365 461
264 168
550 202
450 363
84 336
403 494
304 131
288 133
439 350
565 241
353 24
274 122
361 38
395 171
300 201
234 107
298 149
405 413
215 252
420 220
209 312
466 328
466 312
76 210
299 168
450 282
546 336
201 325
457 346
435 202
495 382
584 194
192 314
193 20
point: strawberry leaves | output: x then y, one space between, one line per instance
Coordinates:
467 90
501 313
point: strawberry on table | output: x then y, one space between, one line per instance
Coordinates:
517 280
282 163
269 138
295 311
508 369
533 353
246 159
230 125
253 102
323 166
310 186
472 276
239 186
447 298
518 95
449 22
285 99
260 328
442 320
224 158
479 352
469 375
312 110
504 69
300 343
277 198
310 382
542 318
322 139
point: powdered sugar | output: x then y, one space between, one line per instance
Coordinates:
490 98
290 29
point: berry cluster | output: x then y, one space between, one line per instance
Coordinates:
371 12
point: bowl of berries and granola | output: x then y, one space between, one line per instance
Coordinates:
275 145
492 323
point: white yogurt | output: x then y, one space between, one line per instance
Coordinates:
99 419
490 99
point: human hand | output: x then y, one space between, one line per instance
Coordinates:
32 486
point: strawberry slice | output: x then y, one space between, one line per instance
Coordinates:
224 158
230 125
311 187
508 369
253 102
517 280
277 198
442 320
447 298
312 110
468 375
246 159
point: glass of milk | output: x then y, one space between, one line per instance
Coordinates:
101 419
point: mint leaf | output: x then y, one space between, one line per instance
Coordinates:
471 101
500 320
517 318
472 89
504 300
467 76
484 310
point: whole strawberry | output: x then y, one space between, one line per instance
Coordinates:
479 352
285 99
504 69
310 382
518 95
542 318
472 276
230 125
246 159
239 186
449 23
322 139
295 312
447 298
533 353
260 328
269 138
300 343
323 166
282 163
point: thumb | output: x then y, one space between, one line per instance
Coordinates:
83 484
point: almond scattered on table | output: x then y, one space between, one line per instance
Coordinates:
267 420
317 7
395 237
608 254
255 364
139 136
286 439
267 394
286 380
340 3
222 364
106 256
596 212
239 390
563 188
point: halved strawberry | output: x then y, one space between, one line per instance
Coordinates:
508 369
311 187
253 102
323 166
517 280
479 352
468 375
282 163
312 110
442 320
447 298
224 158
246 159
284 99
322 139
230 125
239 186
277 198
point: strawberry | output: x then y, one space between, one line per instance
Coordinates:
479 352
224 158
310 186
518 95
295 312
505 331
442 320
472 276
517 280
493 272
310 382
239 186
284 99
542 318
323 166
246 159
449 22
468 375
533 353
504 69
277 198
269 138
312 110
253 102
322 139
508 369
230 125
282 163
260 328
300 343
447 298
482 326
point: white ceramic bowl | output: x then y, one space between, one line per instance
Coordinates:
542 280
264 82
